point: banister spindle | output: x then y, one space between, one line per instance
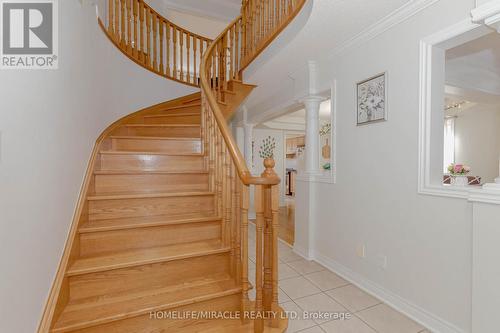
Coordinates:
188 56
129 26
142 53
136 40
122 24
160 21
259 262
244 204
148 37
155 41
111 18
174 38
195 75
181 50
167 28
117 20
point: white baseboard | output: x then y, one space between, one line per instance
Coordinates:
303 252
423 317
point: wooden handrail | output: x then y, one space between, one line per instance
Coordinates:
154 42
248 35
221 70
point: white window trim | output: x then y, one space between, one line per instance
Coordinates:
448 38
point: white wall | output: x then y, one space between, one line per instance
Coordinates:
49 121
477 140
427 240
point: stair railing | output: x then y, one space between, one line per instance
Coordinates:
223 63
154 42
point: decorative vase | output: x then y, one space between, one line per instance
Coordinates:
326 151
459 180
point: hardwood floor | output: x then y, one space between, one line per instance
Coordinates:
287 222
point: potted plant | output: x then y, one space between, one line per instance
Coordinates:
458 173
266 152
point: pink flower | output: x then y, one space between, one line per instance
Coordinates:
458 168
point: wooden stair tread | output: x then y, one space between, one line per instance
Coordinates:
142 195
139 257
149 172
172 115
137 137
162 125
87 314
127 152
145 221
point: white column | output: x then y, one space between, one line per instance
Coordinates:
248 129
312 104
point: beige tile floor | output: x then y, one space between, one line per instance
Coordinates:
308 287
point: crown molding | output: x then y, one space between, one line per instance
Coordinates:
488 14
396 17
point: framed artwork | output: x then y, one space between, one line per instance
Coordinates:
372 99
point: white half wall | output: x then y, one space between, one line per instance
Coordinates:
49 121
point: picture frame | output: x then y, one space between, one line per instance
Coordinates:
371 99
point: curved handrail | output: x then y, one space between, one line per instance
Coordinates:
240 43
154 42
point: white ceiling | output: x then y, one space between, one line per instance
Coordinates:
296 120
225 10
475 65
331 23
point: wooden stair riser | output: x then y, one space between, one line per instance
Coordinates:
148 324
146 144
173 119
178 110
159 130
122 183
96 243
152 162
151 276
121 208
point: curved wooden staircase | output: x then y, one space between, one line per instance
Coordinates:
161 228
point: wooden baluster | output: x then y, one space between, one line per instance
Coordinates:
228 207
174 69
275 197
268 219
244 203
161 46
195 76
167 30
259 264
111 18
237 50
237 220
220 168
231 53
122 24
181 55
136 40
117 20
148 37
214 69
129 26
142 53
188 55
155 41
